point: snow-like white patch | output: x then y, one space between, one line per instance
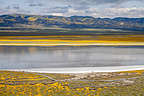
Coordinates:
82 69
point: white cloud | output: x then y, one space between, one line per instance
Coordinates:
117 12
72 11
96 8
57 14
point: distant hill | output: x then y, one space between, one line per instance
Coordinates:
72 22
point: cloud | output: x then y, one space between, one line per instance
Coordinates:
96 2
63 9
33 4
72 12
16 7
96 8
117 12
57 14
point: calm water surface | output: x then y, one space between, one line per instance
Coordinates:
55 57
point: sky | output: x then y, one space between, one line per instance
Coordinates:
95 8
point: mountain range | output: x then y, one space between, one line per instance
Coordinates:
15 20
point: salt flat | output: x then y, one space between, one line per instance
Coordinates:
82 69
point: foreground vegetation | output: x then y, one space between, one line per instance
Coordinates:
128 83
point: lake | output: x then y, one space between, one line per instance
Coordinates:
69 57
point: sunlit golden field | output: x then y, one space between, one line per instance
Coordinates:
128 83
72 40
16 36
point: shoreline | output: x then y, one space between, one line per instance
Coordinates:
75 44
80 69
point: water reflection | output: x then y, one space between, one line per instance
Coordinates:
48 57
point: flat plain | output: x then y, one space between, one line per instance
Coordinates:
70 37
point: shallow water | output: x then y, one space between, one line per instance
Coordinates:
59 57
